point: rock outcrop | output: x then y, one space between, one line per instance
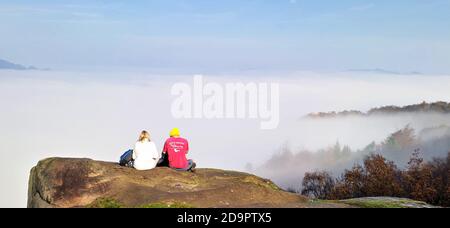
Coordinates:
70 182
62 182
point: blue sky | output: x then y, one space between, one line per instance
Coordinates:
219 35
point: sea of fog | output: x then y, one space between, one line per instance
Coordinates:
99 115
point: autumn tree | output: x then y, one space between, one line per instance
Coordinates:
318 185
351 184
440 178
418 179
381 178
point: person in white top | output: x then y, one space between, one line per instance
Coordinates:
145 154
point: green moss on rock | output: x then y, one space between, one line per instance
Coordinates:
106 203
386 202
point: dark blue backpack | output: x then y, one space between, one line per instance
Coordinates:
127 159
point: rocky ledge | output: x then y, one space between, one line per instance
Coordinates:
70 182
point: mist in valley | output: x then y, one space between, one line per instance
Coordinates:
395 136
99 115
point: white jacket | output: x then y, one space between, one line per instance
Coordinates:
145 155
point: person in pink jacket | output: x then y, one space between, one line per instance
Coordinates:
176 148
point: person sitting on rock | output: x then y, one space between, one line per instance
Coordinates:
145 154
177 148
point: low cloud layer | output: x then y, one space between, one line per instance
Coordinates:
99 115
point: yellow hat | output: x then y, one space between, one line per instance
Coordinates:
175 132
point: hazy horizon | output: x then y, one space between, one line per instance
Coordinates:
218 36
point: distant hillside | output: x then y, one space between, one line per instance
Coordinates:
6 65
383 71
437 107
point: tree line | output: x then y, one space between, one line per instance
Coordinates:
421 180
